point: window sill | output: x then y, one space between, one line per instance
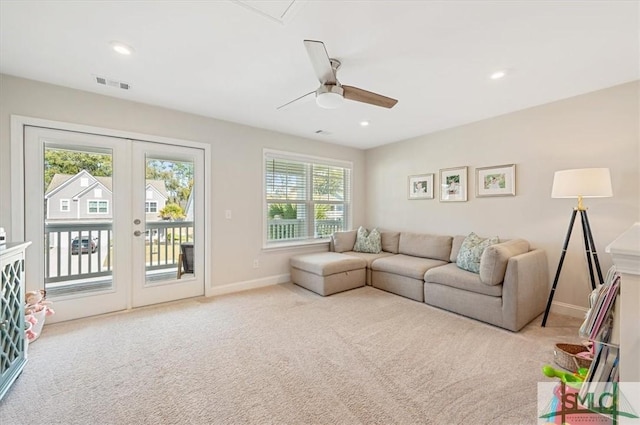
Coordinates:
277 246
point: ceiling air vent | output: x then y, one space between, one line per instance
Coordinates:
112 83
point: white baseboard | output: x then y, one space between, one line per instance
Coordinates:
248 284
568 309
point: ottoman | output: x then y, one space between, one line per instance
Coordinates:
326 273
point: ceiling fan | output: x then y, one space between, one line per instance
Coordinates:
331 93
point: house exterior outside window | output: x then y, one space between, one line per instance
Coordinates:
65 205
151 207
97 207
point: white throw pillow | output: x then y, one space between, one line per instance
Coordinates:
368 241
471 252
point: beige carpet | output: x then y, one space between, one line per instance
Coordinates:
284 355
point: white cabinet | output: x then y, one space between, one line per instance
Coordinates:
12 340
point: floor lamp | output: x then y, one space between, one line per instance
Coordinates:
580 183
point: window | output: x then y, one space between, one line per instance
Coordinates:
65 205
97 207
151 206
306 198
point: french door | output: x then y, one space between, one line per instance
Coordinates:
114 222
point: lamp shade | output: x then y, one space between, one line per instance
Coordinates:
582 182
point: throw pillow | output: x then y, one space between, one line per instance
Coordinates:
471 252
343 241
368 241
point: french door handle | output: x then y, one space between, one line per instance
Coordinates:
137 233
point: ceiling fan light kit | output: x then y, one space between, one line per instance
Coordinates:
331 94
330 97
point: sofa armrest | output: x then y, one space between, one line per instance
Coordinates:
525 289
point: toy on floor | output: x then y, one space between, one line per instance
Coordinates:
35 301
565 406
37 308
572 379
29 321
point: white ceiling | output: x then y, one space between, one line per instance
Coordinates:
238 61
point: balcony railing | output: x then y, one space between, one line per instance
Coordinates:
279 229
163 238
94 260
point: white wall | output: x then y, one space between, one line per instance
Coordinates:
236 166
598 129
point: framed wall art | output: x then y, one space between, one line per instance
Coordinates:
499 180
421 186
453 184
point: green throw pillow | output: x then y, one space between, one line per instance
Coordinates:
471 252
368 241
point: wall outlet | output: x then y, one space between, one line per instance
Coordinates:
256 263
227 214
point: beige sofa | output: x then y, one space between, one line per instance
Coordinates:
510 290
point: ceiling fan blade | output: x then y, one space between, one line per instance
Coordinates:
320 61
359 95
300 99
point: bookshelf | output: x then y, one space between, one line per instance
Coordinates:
625 252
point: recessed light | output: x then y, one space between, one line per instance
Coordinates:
498 74
121 48
364 123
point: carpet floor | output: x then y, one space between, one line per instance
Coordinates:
284 355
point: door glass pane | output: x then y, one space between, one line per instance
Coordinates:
78 227
169 219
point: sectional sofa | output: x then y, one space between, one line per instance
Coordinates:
509 291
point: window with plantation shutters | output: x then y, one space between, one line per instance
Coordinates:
306 198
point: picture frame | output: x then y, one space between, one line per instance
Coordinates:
420 186
497 180
453 184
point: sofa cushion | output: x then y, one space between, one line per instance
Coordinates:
471 252
368 241
343 241
455 247
390 241
327 263
424 245
406 265
453 276
493 263
368 257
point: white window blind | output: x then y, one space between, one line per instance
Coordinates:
305 198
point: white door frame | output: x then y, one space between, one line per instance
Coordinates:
18 124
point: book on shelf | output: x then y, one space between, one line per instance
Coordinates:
597 324
603 372
599 327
